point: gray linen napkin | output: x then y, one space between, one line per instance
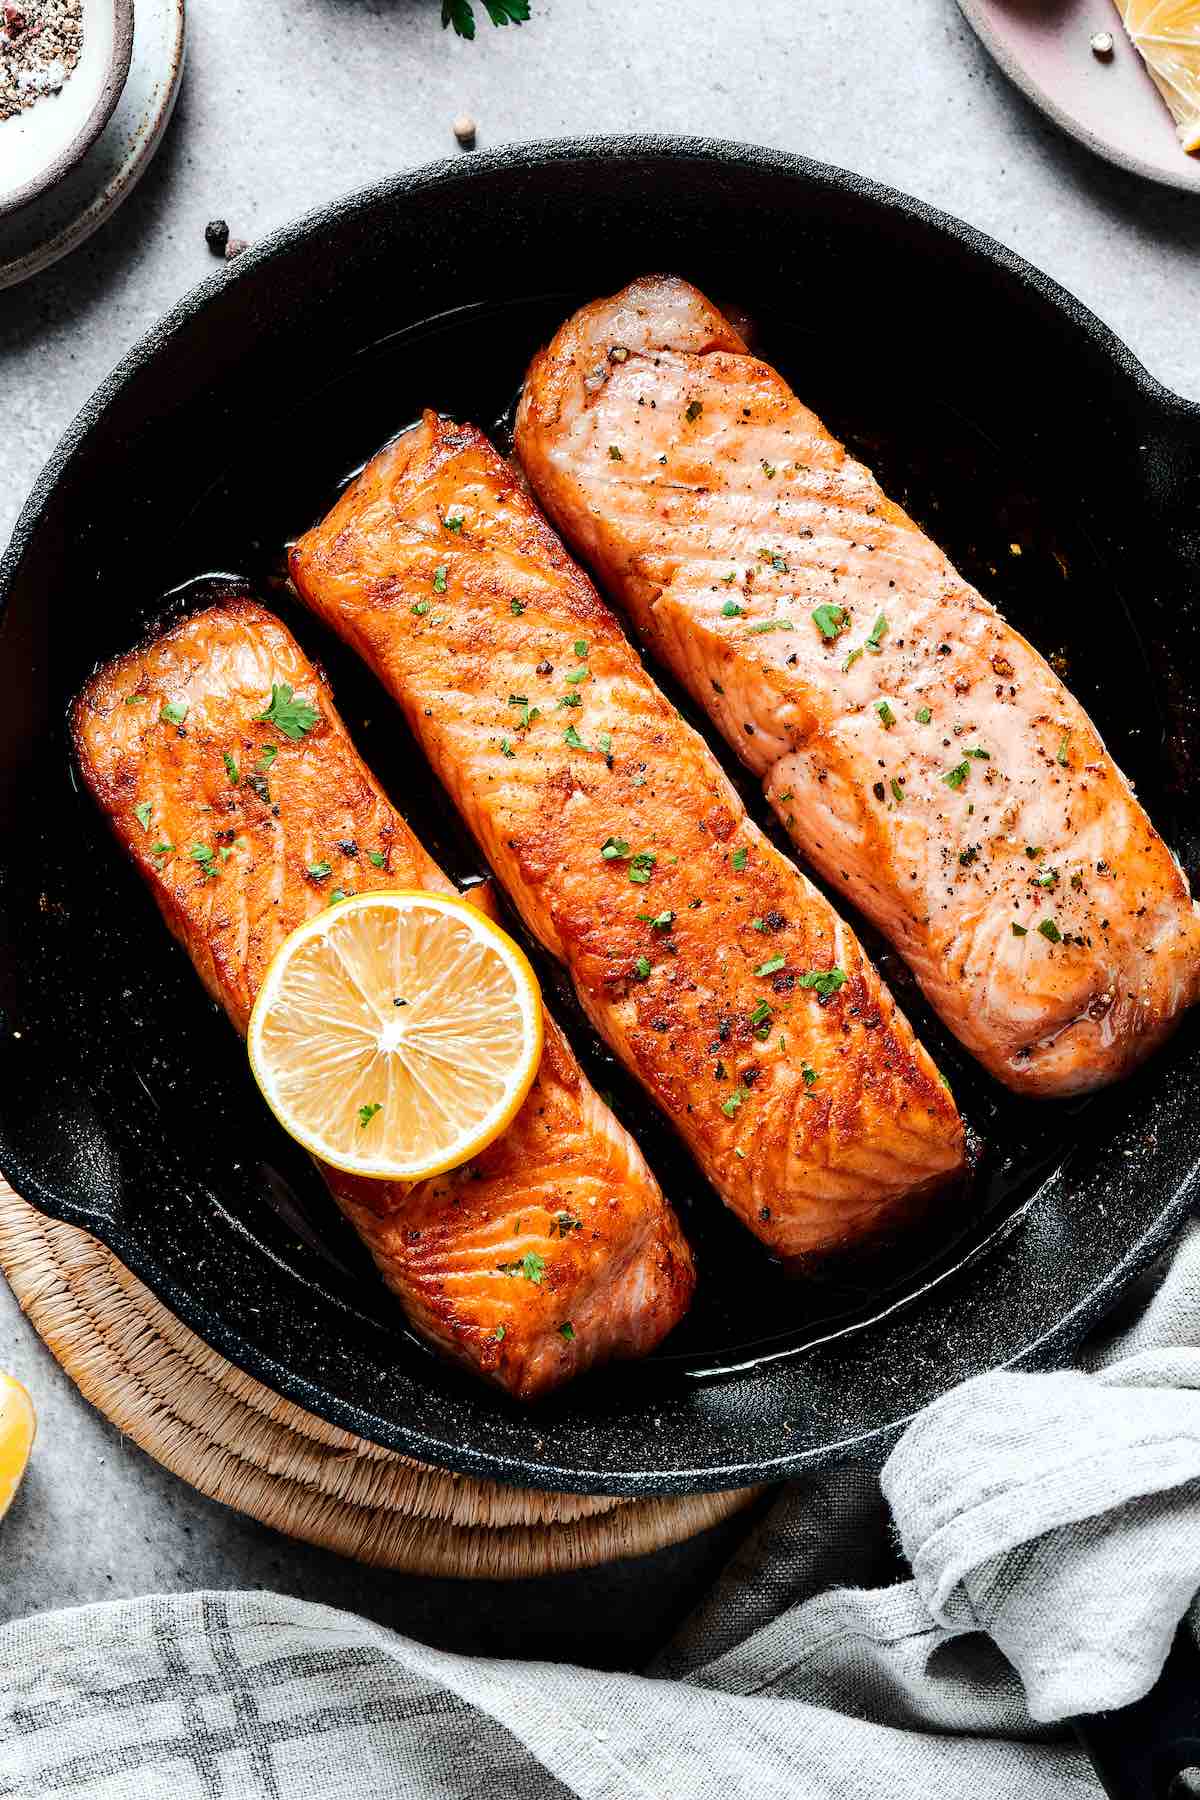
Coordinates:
1052 1523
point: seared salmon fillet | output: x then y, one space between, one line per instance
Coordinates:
717 973
554 1249
923 756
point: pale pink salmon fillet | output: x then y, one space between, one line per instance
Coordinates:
554 1249
722 979
923 756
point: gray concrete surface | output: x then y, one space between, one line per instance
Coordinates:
289 102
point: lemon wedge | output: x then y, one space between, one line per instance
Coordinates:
18 1426
396 1034
1167 33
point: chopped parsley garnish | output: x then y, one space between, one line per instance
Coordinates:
231 769
134 699
439 578
269 753
830 621
638 780
695 408
771 625
562 1224
614 849
980 755
897 791
367 1113
498 1334
886 714
1033 850
955 777
453 524
1050 930
200 853
776 962
531 1266
969 855
378 858
761 1011
142 813
319 871
731 610
340 894
572 738
174 713
566 1330
1061 756
641 968
574 675
614 453
662 921
571 699
518 607
605 742
291 716
528 713
923 715
641 867
506 748
1048 879
420 607
161 849
768 470
776 561
1019 930
581 648
738 859
811 1077
823 981
874 641
730 1106
851 660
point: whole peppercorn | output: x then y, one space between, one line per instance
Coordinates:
464 131
216 236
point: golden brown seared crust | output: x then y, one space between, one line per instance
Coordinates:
693 944
977 818
227 818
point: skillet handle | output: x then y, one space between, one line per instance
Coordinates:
1139 1751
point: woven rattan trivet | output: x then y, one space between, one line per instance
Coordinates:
237 1442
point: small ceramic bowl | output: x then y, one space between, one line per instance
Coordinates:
40 145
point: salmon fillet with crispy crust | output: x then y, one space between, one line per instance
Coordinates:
922 754
558 1223
723 980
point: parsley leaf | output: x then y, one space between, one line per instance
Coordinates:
231 769
439 578
1050 930
641 866
731 610
142 813
823 981
615 453
319 871
291 716
518 607
461 14
566 1330
453 524
695 408
614 849
367 1113
531 1267
886 715
641 968
174 713
506 748
378 858
830 621
1019 930
730 1106
1061 756
954 778
776 962
738 859
923 715
877 630
771 625
572 738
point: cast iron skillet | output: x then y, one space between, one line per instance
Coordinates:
999 412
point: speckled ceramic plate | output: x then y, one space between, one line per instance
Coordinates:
995 409
87 193
1111 105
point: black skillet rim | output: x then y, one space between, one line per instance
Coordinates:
1068 1327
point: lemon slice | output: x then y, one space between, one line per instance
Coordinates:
18 1424
1167 33
396 1034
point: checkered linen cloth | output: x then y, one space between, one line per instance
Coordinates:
1051 1522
